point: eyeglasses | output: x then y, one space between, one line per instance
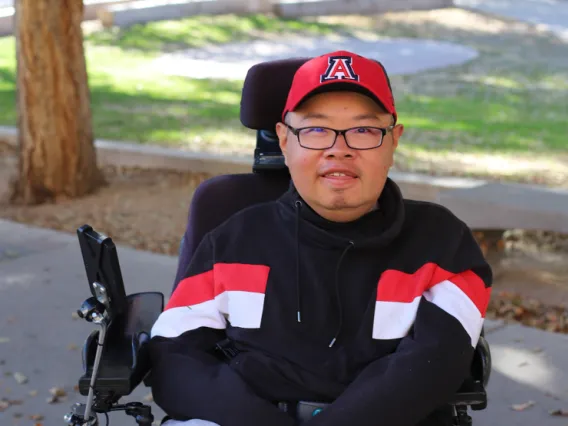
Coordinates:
321 138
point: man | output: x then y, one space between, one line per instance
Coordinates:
355 297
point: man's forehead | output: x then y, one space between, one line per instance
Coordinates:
308 116
355 116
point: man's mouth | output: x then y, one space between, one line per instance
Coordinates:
337 174
340 179
342 174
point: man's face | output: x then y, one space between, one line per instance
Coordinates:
340 183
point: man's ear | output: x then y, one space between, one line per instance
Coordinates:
397 133
282 133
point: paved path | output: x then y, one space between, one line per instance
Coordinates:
552 14
232 61
42 282
400 56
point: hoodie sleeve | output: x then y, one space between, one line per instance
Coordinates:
434 358
188 379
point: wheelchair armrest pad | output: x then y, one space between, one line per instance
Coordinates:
472 391
123 365
481 363
125 362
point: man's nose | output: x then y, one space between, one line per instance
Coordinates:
339 148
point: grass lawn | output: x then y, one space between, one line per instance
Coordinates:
510 101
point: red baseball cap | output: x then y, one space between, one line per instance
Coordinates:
341 70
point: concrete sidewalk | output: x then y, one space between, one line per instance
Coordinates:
42 282
231 61
551 15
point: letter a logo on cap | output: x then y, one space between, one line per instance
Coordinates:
339 68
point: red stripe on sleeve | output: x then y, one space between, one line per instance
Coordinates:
474 288
224 277
397 286
241 277
193 290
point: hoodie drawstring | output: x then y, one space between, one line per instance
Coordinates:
298 205
351 244
338 295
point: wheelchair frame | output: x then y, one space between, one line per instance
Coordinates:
115 360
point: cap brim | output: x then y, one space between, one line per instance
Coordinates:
342 87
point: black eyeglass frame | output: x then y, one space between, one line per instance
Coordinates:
384 131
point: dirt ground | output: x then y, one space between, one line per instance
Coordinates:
148 210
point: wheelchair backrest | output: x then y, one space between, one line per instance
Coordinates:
218 198
264 95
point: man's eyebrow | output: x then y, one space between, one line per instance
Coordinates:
319 115
363 116
314 115
366 116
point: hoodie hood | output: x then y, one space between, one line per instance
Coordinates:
373 230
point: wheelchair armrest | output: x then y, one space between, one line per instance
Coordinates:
472 392
481 364
124 362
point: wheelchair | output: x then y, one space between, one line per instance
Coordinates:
114 358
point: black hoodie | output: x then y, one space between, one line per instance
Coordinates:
380 315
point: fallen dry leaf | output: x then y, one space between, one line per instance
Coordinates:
20 378
4 404
36 417
52 399
523 406
58 392
32 393
530 312
559 413
57 395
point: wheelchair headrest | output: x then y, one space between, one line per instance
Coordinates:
265 91
264 95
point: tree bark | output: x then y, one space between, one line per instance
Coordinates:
57 154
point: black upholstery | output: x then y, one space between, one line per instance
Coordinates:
265 90
216 199
263 97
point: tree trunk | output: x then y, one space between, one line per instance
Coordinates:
57 154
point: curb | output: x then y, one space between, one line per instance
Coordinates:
473 200
127 154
